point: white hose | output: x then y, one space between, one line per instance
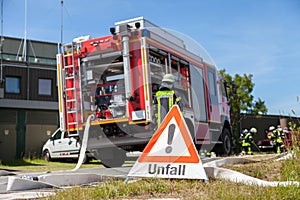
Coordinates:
213 171
83 143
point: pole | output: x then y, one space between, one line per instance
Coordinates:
24 56
1 44
61 21
256 147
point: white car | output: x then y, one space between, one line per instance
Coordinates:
61 146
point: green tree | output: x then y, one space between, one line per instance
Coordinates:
241 100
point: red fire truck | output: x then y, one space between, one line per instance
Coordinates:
114 78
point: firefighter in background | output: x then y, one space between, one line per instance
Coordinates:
276 134
247 139
165 97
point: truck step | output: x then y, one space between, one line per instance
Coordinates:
69 89
69 66
71 100
72 123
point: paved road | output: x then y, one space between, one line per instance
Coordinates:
57 178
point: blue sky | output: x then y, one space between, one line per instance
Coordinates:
259 37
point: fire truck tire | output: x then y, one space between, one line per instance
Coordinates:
226 142
116 160
191 128
47 156
85 159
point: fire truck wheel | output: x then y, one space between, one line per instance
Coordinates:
117 158
47 156
226 142
85 159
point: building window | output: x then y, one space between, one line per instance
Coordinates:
13 85
45 87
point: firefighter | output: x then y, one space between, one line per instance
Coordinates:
277 136
165 97
243 141
247 139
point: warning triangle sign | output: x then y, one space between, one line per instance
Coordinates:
170 153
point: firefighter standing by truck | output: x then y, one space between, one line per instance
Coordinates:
277 136
247 139
165 97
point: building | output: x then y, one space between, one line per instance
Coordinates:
28 96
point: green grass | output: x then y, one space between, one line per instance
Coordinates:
42 165
184 189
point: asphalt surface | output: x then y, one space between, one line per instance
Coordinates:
60 179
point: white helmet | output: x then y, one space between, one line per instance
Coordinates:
168 78
253 130
271 128
245 131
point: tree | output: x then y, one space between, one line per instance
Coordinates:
241 100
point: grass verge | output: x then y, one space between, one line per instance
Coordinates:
181 189
42 165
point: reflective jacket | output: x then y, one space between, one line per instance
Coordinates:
165 100
247 140
276 135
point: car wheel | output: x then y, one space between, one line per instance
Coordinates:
47 156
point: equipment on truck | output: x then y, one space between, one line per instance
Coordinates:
116 77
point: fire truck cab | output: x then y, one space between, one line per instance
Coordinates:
114 78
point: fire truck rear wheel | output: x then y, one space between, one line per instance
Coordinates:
117 158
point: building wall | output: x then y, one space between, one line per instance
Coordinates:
29 115
25 138
8 142
38 123
29 77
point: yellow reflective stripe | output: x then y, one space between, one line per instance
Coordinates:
170 102
162 94
158 111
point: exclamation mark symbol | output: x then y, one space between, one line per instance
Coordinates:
171 132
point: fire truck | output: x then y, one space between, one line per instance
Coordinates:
114 79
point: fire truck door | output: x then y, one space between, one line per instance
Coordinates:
198 94
213 105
